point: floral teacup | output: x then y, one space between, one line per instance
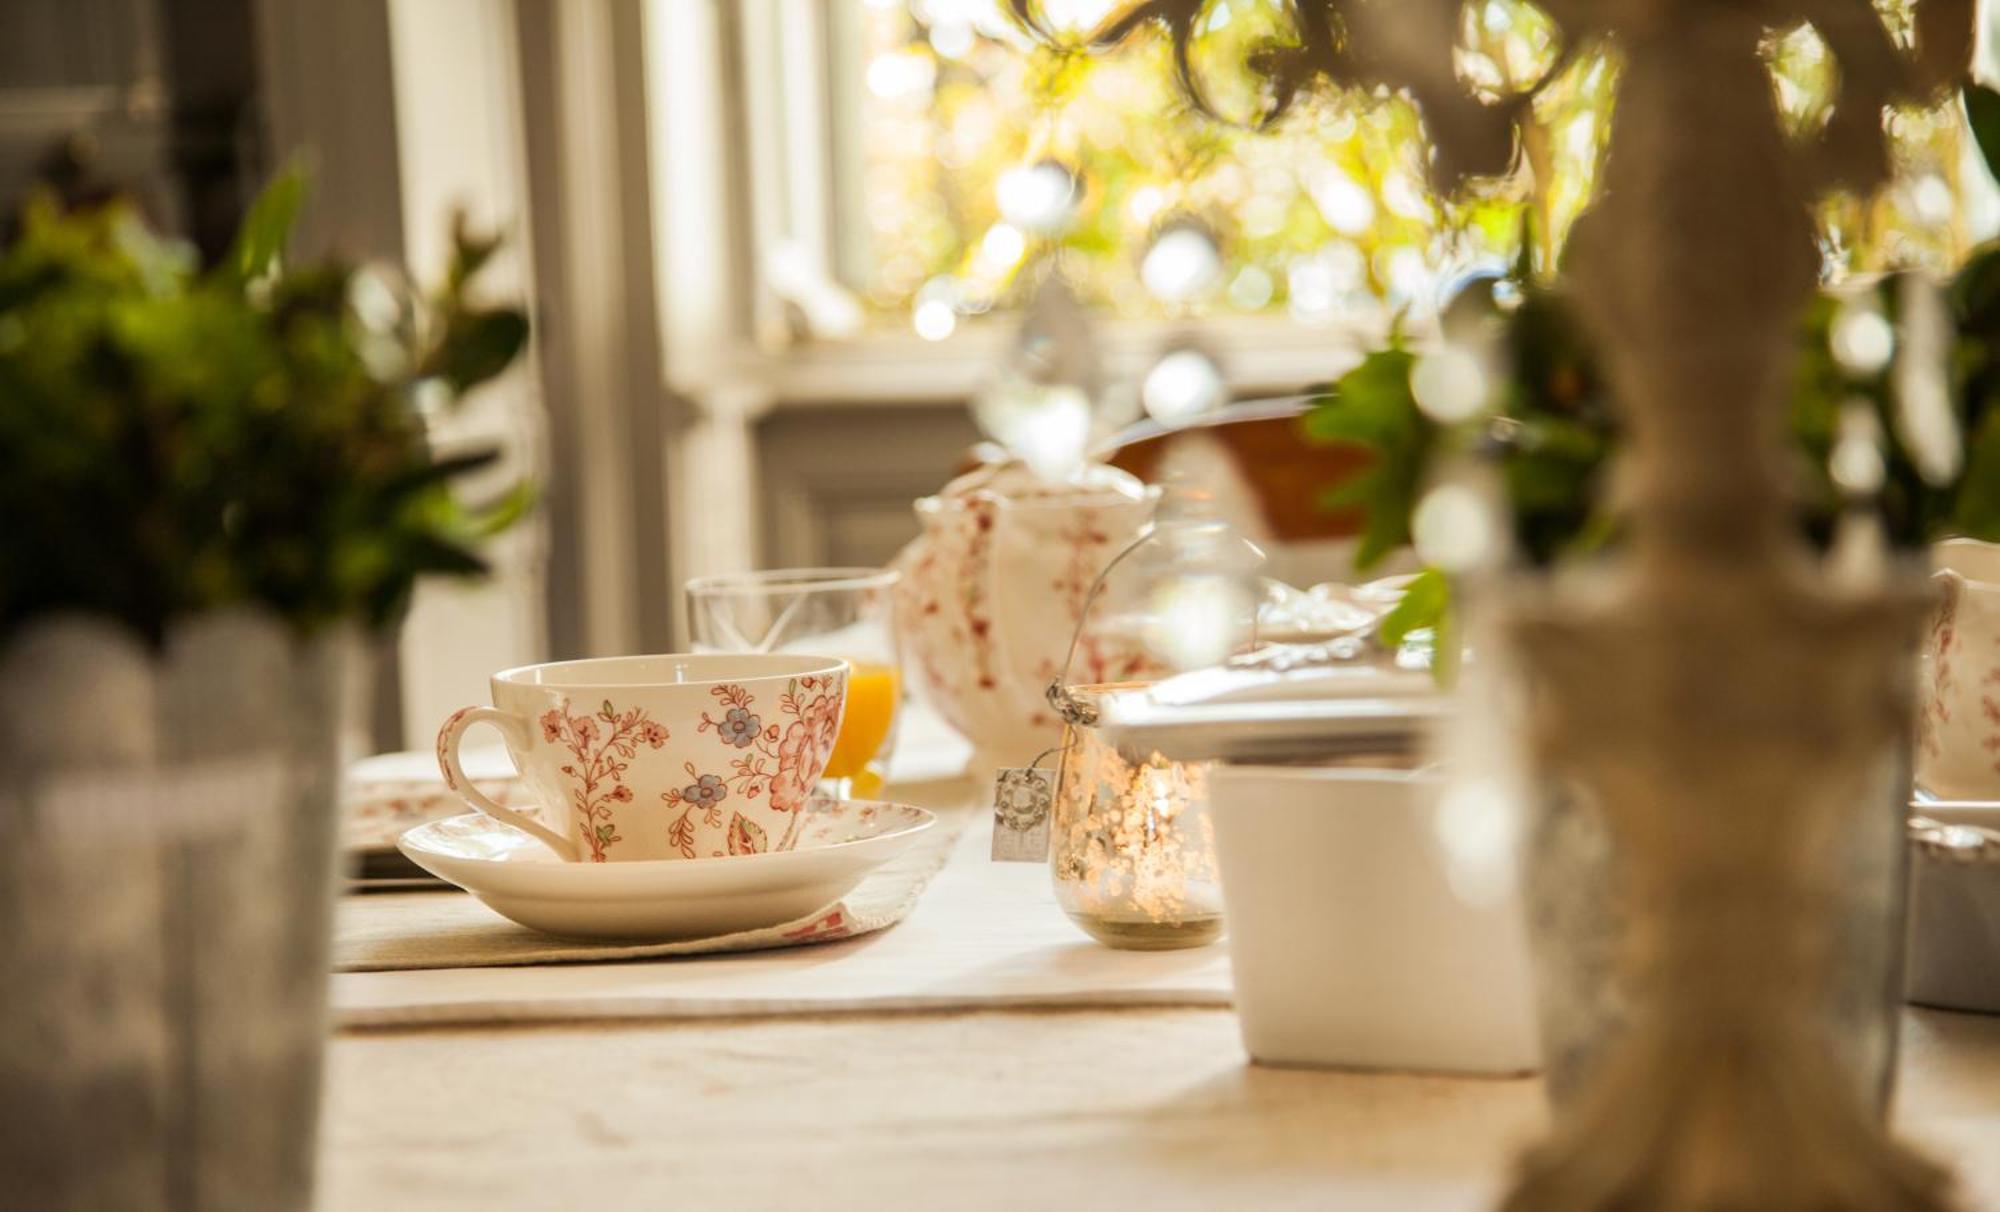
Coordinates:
660 757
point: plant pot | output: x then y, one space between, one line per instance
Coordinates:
1580 927
1363 934
167 886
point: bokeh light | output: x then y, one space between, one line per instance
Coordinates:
1183 384
1454 528
967 123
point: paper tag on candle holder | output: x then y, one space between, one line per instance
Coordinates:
1022 797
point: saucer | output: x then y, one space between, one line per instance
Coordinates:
666 900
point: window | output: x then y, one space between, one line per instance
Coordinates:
832 182
964 117
1323 214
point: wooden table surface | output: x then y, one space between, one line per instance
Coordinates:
1045 1110
1152 1109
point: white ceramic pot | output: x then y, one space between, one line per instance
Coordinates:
1958 725
1363 931
993 590
1955 908
167 884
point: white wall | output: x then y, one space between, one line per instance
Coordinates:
460 144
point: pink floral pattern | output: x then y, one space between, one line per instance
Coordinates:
1958 722
986 672
374 815
601 748
444 745
978 612
777 761
1099 659
1989 710
825 928
1937 705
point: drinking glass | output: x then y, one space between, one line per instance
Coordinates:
837 612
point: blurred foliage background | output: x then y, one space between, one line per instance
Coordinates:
179 439
1322 217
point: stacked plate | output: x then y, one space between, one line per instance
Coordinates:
394 792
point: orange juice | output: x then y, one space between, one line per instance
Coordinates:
872 694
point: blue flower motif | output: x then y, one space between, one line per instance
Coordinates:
739 727
705 791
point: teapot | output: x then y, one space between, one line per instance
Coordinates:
998 584
1958 723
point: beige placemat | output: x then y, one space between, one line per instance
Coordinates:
981 935
394 931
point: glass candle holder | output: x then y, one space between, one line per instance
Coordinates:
1131 845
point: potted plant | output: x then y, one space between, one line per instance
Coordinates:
1870 470
213 481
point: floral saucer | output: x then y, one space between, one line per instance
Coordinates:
662 900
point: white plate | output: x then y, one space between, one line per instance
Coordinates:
665 900
391 792
1983 813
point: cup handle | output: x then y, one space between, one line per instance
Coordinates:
449 739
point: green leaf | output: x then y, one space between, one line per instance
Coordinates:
1447 649
429 553
1426 605
470 251
1982 107
437 471
1977 511
1386 525
477 346
1372 406
500 515
1425 601
1975 289
267 228
1356 491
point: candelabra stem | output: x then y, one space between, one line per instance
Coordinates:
1719 700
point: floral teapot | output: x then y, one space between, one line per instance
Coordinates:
995 588
1958 722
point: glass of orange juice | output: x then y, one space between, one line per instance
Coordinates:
837 612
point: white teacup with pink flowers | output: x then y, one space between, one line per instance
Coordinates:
661 757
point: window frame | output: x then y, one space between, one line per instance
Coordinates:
767 75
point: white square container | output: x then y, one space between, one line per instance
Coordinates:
1359 935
